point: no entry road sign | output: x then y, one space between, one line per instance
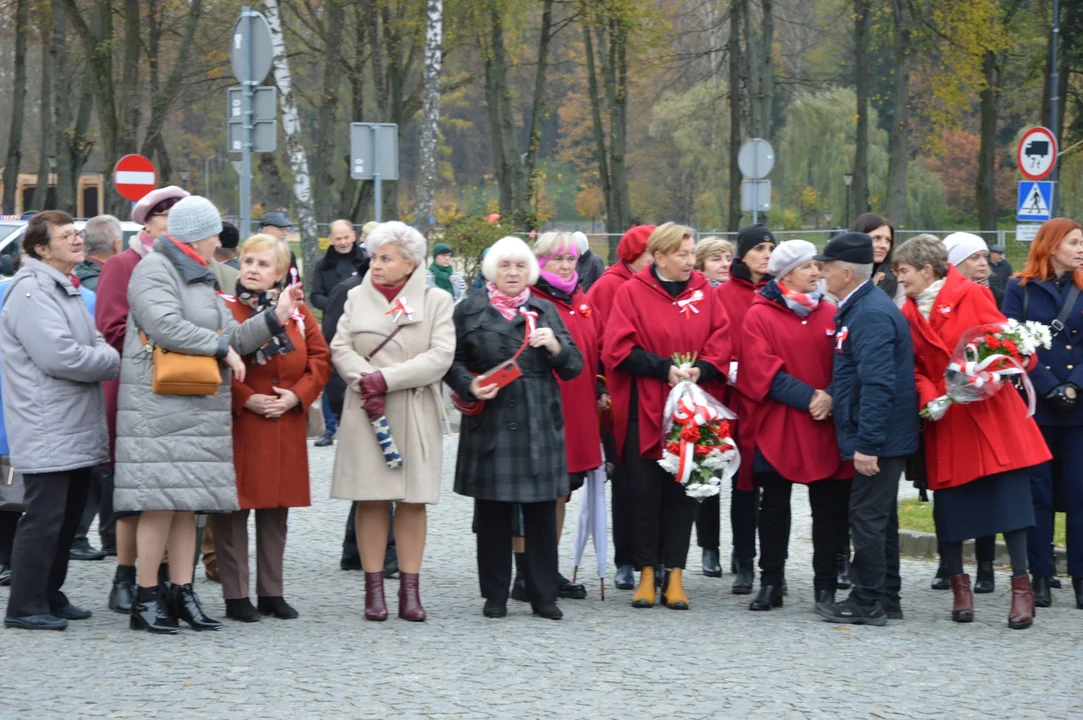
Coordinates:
134 176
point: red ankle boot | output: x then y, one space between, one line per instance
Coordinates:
962 610
410 599
375 604
1022 613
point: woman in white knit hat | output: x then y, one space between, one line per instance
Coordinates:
174 453
786 364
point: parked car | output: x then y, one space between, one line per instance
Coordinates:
12 230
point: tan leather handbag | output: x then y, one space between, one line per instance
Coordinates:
179 374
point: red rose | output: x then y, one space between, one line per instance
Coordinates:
1011 347
702 450
674 448
723 429
992 342
690 434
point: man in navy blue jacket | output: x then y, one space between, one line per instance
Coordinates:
875 405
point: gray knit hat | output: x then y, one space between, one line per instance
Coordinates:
193 219
788 256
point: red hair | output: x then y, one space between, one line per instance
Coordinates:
1040 258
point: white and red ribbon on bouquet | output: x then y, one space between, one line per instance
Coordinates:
688 305
400 308
688 415
980 375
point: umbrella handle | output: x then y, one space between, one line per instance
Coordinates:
575 574
602 580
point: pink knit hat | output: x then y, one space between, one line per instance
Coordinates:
143 207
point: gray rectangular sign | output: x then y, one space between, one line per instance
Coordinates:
264 137
372 143
264 111
755 195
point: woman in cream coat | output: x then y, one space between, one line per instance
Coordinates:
393 346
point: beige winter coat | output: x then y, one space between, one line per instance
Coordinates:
413 365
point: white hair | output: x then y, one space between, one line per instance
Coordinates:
101 232
861 271
509 248
411 243
550 243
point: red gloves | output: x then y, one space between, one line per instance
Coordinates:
373 386
374 406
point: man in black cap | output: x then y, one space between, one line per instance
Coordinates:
277 224
876 420
999 270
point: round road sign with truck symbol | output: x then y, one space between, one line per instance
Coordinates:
1037 153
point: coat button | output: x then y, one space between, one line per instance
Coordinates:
1047 367
1070 367
1067 347
275 379
512 426
511 403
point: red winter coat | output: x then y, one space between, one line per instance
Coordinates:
111 317
737 296
645 316
777 339
977 439
271 456
605 289
578 396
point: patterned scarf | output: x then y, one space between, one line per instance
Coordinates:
505 305
262 302
801 303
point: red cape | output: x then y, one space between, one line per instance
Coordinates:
977 439
775 338
605 289
578 396
645 316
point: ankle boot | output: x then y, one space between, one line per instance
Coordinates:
275 605
844 578
1040 587
746 578
986 580
644 594
1077 585
1054 575
122 595
242 610
770 596
1021 615
150 612
674 596
940 580
186 607
410 599
962 609
375 604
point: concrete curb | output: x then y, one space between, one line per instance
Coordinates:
923 545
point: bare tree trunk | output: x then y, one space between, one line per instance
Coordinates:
430 122
987 156
66 183
860 189
163 98
324 160
898 150
615 72
506 160
18 109
599 137
38 200
534 124
733 221
295 149
131 91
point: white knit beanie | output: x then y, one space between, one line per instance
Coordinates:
193 219
581 242
962 245
788 256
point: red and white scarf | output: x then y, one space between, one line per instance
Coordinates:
505 305
801 303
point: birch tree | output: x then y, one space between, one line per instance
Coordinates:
18 108
426 172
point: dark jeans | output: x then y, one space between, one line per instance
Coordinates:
1066 445
744 514
9 521
874 522
494 523
349 542
39 561
661 509
99 502
708 523
329 419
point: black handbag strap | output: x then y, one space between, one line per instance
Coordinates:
1026 301
1058 325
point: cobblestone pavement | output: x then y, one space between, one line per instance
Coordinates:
604 660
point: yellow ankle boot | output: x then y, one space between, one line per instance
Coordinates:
674 596
644 595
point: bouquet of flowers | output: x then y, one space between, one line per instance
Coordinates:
987 358
697 444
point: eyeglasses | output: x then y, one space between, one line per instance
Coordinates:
71 236
163 214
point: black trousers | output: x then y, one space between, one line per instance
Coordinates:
708 523
493 521
874 522
661 509
39 560
99 502
620 506
830 503
9 520
744 515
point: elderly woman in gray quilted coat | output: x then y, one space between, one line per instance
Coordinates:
174 453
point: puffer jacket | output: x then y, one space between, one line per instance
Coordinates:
54 361
175 452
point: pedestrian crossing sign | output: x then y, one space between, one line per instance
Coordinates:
1035 200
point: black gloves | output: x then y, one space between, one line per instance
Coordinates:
1059 398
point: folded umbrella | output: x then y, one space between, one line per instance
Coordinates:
592 523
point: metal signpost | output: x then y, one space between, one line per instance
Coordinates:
756 160
250 57
374 155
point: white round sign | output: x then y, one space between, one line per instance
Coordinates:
1037 153
756 159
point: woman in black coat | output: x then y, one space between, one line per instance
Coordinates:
512 451
882 233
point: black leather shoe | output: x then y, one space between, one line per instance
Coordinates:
893 609
1054 576
518 588
1054 582
712 564
851 612
940 580
5 575
548 610
746 578
625 579
825 596
67 611
241 610
495 609
986 580
769 596
276 606
1077 585
844 579
44 621
325 440
1040 587
150 612
569 590
350 562
110 550
785 587
122 595
186 607
81 550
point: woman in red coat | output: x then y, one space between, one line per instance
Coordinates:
666 309
748 275
786 358
977 455
558 282
270 435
